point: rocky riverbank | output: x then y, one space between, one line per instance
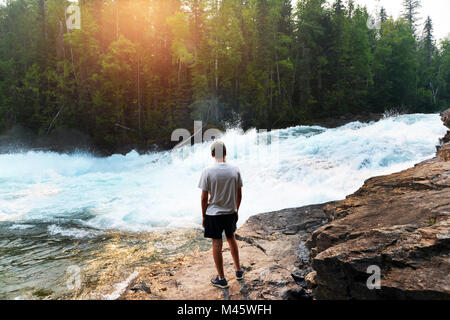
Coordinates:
271 249
399 223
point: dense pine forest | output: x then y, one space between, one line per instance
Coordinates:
136 70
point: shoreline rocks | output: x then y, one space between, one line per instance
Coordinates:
445 117
272 254
443 150
399 223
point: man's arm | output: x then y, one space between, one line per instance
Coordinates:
205 195
238 200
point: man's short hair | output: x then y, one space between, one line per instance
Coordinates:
218 150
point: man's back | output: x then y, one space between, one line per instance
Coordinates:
222 181
222 184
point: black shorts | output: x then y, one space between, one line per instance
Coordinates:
216 225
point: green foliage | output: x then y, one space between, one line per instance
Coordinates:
395 65
136 70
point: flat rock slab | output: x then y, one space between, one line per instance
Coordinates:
270 251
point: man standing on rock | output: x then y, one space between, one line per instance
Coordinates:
221 186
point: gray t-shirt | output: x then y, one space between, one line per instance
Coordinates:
222 182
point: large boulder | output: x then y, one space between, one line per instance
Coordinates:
445 116
444 152
444 147
399 223
445 139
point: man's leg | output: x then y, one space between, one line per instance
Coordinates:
218 258
234 249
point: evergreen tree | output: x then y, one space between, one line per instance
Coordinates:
427 42
411 11
428 70
394 68
383 15
443 76
311 57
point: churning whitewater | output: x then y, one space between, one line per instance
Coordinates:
285 168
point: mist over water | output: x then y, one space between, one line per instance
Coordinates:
53 202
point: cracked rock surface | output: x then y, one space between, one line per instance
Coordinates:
272 252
